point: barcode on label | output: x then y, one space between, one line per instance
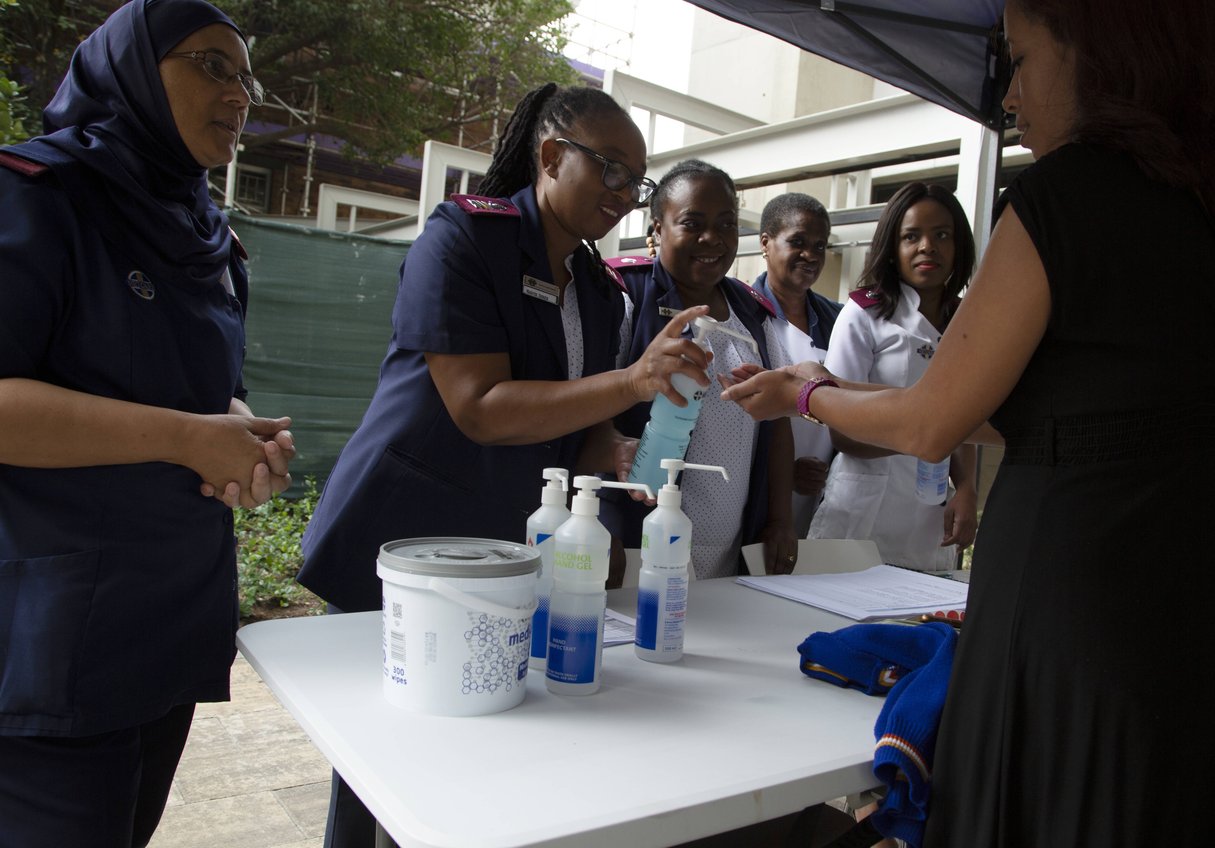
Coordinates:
396 646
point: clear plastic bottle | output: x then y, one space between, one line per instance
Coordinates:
578 600
541 527
666 553
667 433
931 481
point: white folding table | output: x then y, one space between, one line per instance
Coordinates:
731 735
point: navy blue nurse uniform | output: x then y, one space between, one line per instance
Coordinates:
408 470
821 311
117 583
655 299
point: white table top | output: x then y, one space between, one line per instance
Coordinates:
730 735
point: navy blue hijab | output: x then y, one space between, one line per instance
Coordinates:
112 142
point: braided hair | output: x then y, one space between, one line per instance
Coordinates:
543 111
881 268
686 170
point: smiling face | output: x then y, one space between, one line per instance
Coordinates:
697 233
1042 91
926 246
796 252
209 115
571 187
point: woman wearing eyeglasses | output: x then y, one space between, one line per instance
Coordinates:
124 436
502 360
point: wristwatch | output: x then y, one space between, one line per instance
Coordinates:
803 397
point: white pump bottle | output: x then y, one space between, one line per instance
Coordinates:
576 607
666 553
541 527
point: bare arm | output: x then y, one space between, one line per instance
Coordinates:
981 356
47 426
492 409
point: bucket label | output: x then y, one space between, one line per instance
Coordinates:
497 647
572 648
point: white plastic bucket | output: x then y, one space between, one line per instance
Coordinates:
457 620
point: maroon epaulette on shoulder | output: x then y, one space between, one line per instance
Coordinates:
240 248
760 299
619 262
22 166
615 275
865 298
475 205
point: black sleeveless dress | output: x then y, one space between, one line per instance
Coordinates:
1079 709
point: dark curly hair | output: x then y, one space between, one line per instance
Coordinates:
780 211
686 170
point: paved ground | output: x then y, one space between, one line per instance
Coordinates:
249 777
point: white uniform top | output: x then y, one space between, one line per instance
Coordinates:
875 498
808 439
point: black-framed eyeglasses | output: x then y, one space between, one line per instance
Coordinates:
616 175
220 68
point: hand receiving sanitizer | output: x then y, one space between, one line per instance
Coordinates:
669 429
579 598
662 587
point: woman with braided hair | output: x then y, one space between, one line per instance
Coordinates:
502 360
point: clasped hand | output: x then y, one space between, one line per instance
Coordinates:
243 459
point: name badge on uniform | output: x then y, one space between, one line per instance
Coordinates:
548 292
668 311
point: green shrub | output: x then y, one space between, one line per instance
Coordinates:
268 552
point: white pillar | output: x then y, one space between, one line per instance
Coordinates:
978 179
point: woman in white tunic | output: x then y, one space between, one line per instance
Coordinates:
922 256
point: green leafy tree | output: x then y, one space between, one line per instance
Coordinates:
382 75
385 75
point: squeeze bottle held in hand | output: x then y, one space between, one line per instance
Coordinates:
931 481
666 553
667 433
580 571
541 527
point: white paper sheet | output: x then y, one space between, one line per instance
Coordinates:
883 591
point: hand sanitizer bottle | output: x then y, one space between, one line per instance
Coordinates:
541 525
931 481
667 433
662 587
580 570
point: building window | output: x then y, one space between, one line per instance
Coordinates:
253 188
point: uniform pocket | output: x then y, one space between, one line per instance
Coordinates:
44 610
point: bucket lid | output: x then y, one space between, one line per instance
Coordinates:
455 556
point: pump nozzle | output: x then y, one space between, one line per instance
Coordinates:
669 494
586 503
556 474
705 324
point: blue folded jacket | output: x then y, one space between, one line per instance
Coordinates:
910 666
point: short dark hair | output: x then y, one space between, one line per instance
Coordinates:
1145 81
882 269
686 170
543 110
780 211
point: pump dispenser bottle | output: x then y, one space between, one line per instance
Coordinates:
667 433
666 553
580 571
541 527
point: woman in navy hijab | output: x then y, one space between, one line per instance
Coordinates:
125 437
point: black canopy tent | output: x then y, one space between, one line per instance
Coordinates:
946 51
